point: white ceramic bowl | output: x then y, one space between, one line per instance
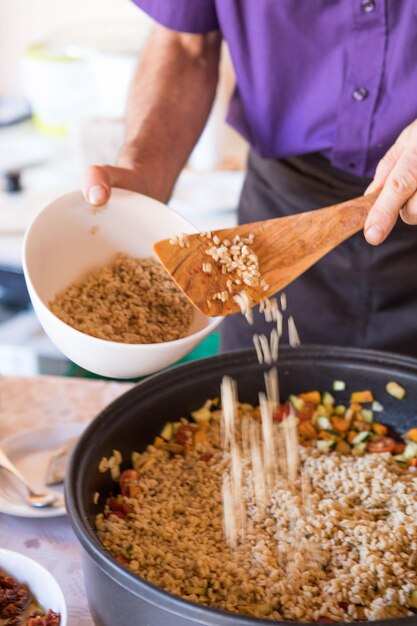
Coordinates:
66 240
40 582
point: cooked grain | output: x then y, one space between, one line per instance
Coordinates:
129 300
354 529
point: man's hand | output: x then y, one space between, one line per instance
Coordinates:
98 181
396 174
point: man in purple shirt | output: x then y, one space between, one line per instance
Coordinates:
326 95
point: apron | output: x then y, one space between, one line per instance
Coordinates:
358 295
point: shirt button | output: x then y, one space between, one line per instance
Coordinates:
368 6
360 94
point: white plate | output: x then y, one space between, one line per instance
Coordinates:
29 451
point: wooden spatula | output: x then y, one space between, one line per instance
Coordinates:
286 247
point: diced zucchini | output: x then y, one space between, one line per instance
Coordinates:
296 402
400 458
342 447
203 414
395 390
321 409
327 399
323 423
361 437
339 385
359 449
340 409
167 431
325 446
367 416
413 599
377 407
410 451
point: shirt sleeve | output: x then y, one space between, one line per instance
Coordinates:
188 16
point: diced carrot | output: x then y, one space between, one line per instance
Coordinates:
355 407
311 396
340 424
412 434
398 448
413 462
362 396
158 442
323 434
379 429
351 435
306 429
200 436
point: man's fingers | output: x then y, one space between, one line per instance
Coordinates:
96 185
98 181
384 168
409 211
399 187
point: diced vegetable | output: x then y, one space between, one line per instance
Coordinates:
328 399
306 429
381 444
395 390
340 409
361 437
203 414
377 407
339 385
321 409
367 416
412 434
340 424
398 448
325 446
323 422
296 402
359 449
410 450
281 412
311 396
168 431
379 429
342 447
413 599
401 459
358 397
306 412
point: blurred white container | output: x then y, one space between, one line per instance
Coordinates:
57 85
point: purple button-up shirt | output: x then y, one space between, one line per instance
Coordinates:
331 76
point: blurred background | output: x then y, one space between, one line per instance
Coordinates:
65 69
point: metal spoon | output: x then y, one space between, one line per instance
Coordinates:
35 499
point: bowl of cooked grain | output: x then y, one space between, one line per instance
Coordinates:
146 497
99 293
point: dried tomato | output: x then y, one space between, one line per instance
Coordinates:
281 412
381 444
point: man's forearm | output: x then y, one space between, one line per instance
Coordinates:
170 99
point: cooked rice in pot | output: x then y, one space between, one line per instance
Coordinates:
342 546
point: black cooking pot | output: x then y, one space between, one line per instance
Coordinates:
116 596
